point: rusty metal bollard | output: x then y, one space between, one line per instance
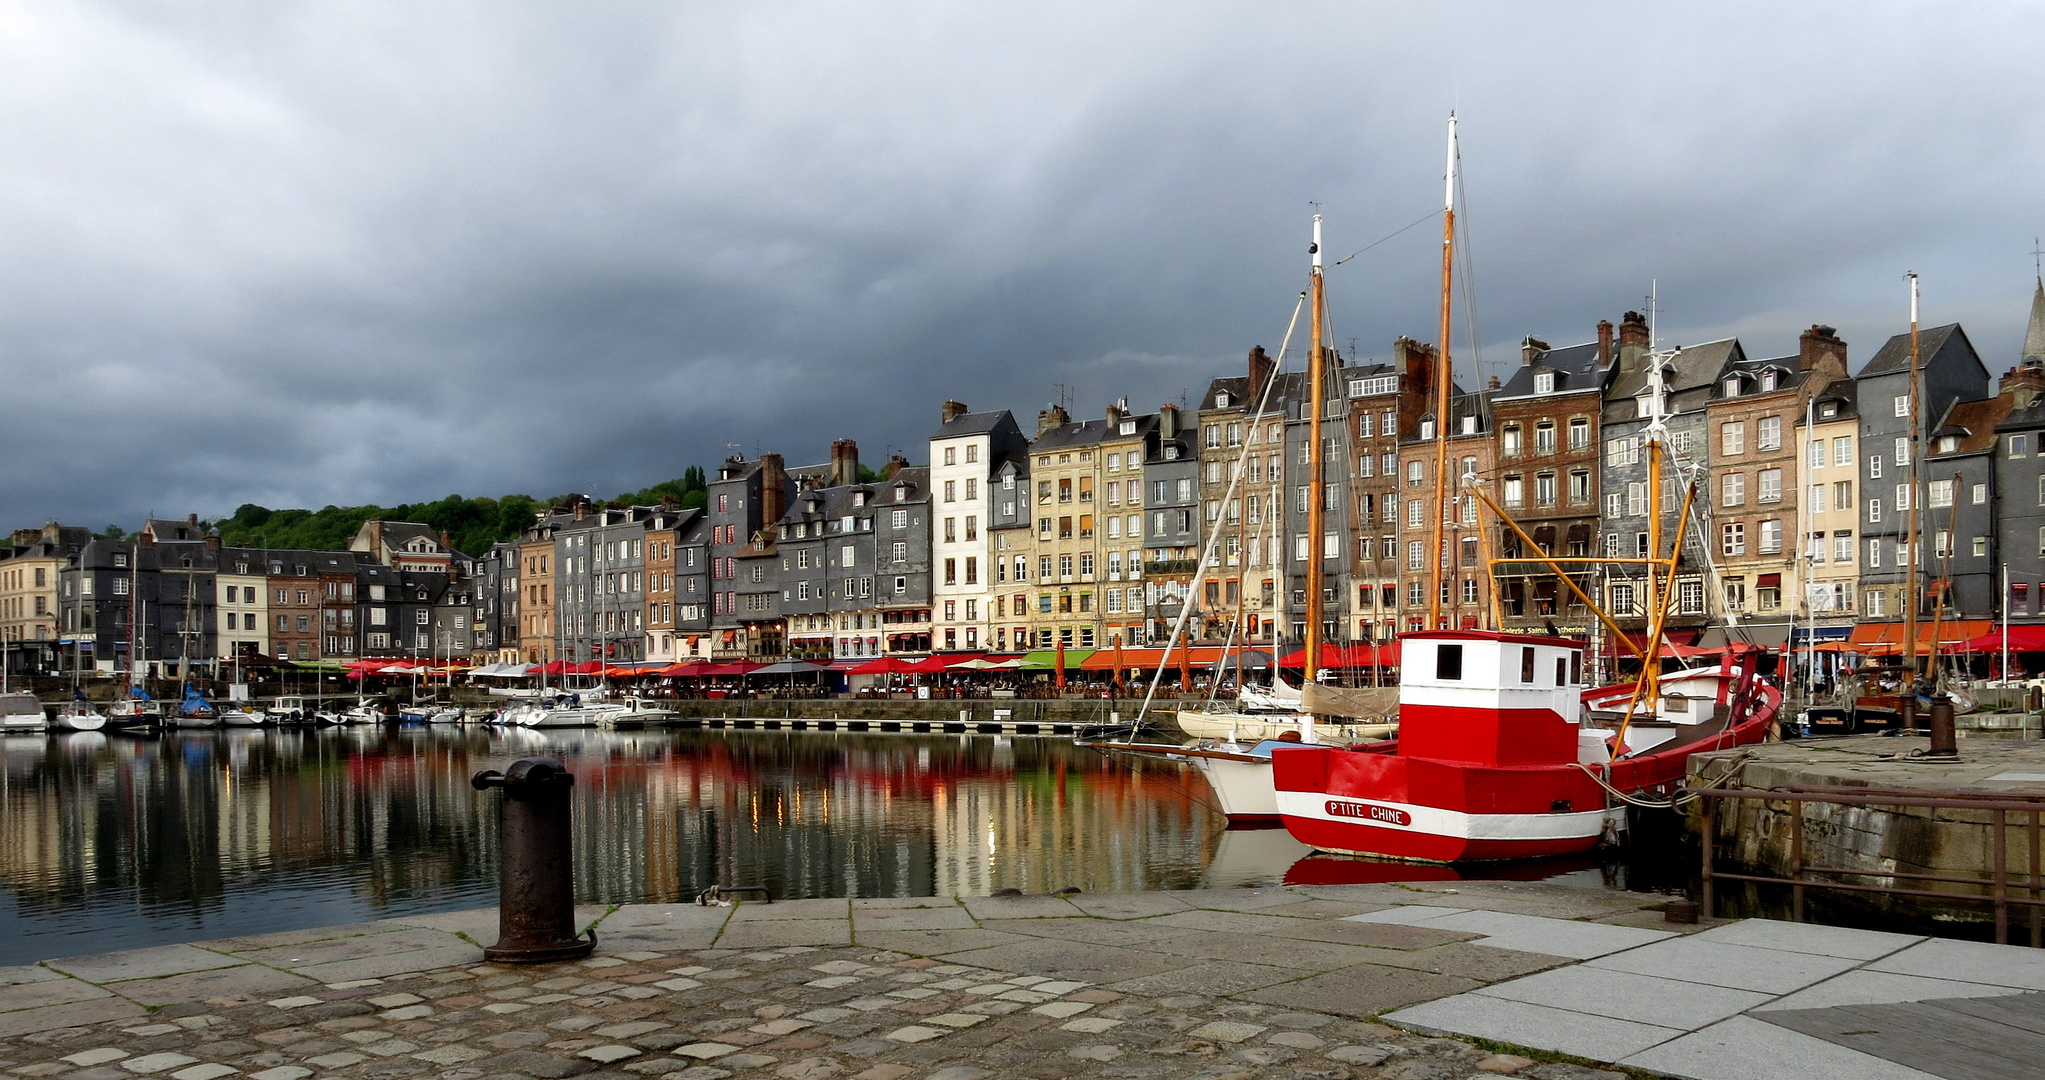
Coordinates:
535 873
1944 740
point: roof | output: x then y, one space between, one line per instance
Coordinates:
1974 422
1691 367
1844 393
1575 367
974 423
1789 375
1081 433
836 502
1894 355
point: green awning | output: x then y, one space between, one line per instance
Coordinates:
1047 660
315 665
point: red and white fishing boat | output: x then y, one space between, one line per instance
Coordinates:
1503 754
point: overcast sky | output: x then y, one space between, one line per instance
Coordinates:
300 254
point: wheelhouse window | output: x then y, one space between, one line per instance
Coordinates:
1448 661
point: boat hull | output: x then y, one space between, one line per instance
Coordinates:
1242 788
80 721
1251 727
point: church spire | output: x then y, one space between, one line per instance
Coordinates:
2034 335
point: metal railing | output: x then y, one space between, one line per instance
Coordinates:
1997 882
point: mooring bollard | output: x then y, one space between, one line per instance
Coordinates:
535 872
1944 741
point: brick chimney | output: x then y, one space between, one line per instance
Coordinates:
895 465
1493 384
773 489
1632 341
1531 349
2025 381
212 541
1114 416
1415 362
446 541
1167 421
1820 343
952 411
1261 367
845 458
1051 417
1604 342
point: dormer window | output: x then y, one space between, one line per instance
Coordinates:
1732 387
1427 429
1171 451
859 498
1948 443
1221 399
1469 425
1767 381
1544 383
1828 410
1128 427
901 492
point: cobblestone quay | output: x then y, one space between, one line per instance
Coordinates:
1215 985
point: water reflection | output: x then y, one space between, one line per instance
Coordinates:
115 841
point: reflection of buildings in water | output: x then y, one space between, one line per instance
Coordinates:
384 819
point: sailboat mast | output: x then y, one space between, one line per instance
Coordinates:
1317 305
1437 554
1910 526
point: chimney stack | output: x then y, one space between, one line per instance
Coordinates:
845 458
192 518
1415 362
1493 384
1114 416
1816 344
1531 349
1604 342
1261 367
446 541
773 489
1167 421
1632 341
1051 417
212 541
895 466
2025 381
952 411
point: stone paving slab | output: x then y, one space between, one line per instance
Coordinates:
1266 984
141 963
1969 961
1743 1048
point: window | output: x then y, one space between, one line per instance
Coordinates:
1769 486
1510 437
1768 435
1415 474
1733 538
1939 495
1579 433
1842 495
1580 487
1842 547
1690 597
1448 661
1902 497
1817 499
1614 504
1736 593
1636 499
1902 404
1544 382
1874 467
2020 445
1979 494
1544 489
1877 603
1516 495
1732 438
1874 553
1902 451
1874 509
1731 388
1416 555
1980 547
1814 454
1622 599
1544 438
1771 537
1733 489
1842 451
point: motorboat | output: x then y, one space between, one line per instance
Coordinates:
20 711
244 717
1502 753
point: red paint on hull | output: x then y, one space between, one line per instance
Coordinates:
1346 839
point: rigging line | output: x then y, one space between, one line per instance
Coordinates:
1235 482
1430 216
1468 263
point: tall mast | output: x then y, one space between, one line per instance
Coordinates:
1910 526
1317 306
1444 374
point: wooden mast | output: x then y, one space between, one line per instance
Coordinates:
1317 305
1910 526
1437 555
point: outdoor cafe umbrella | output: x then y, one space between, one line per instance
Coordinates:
978 663
1058 666
886 665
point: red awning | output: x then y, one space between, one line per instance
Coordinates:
1768 581
736 667
2027 637
886 665
1346 656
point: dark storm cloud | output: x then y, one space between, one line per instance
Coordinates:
300 254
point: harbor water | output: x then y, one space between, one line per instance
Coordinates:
111 841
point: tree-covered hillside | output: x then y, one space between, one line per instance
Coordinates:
474 524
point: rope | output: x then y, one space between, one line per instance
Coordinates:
1429 216
1666 804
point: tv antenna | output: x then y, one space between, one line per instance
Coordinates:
2037 251
1065 395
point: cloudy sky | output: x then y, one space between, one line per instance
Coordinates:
300 254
